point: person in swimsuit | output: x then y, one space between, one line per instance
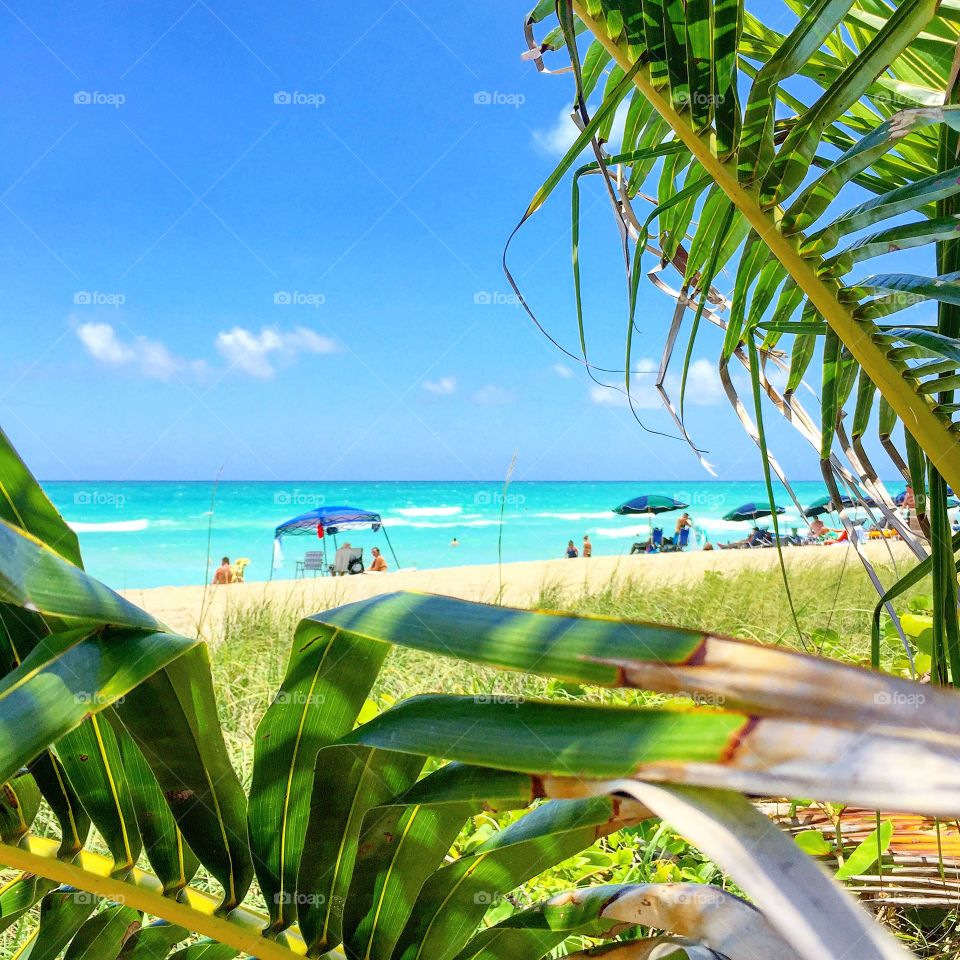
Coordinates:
223 573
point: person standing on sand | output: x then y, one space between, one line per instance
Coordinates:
910 509
223 573
572 551
587 546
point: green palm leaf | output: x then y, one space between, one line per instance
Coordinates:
350 781
68 676
63 913
103 936
317 703
452 902
172 715
154 941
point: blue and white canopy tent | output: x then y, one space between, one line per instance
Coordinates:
328 521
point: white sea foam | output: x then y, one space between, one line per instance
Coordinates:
429 511
596 515
784 521
113 526
441 525
623 533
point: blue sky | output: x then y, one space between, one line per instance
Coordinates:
267 240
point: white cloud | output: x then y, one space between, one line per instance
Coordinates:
563 371
607 397
703 387
442 387
253 353
493 396
257 353
703 383
102 343
561 136
642 390
151 357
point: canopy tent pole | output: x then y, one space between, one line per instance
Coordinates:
393 553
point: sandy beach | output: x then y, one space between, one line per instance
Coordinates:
200 609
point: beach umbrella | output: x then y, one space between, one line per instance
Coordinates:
751 511
649 505
826 505
951 502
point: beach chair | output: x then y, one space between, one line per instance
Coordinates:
678 543
652 545
312 560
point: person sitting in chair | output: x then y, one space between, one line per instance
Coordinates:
818 528
341 559
755 538
379 565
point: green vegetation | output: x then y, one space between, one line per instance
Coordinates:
248 662
352 847
293 796
797 162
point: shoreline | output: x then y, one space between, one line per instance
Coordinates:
198 610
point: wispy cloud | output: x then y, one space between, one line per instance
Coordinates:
494 396
443 387
255 354
609 396
258 353
558 138
563 371
703 387
150 357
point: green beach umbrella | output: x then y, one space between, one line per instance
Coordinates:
649 505
826 505
751 511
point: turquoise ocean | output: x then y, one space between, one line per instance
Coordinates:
165 534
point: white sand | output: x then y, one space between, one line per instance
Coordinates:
186 609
